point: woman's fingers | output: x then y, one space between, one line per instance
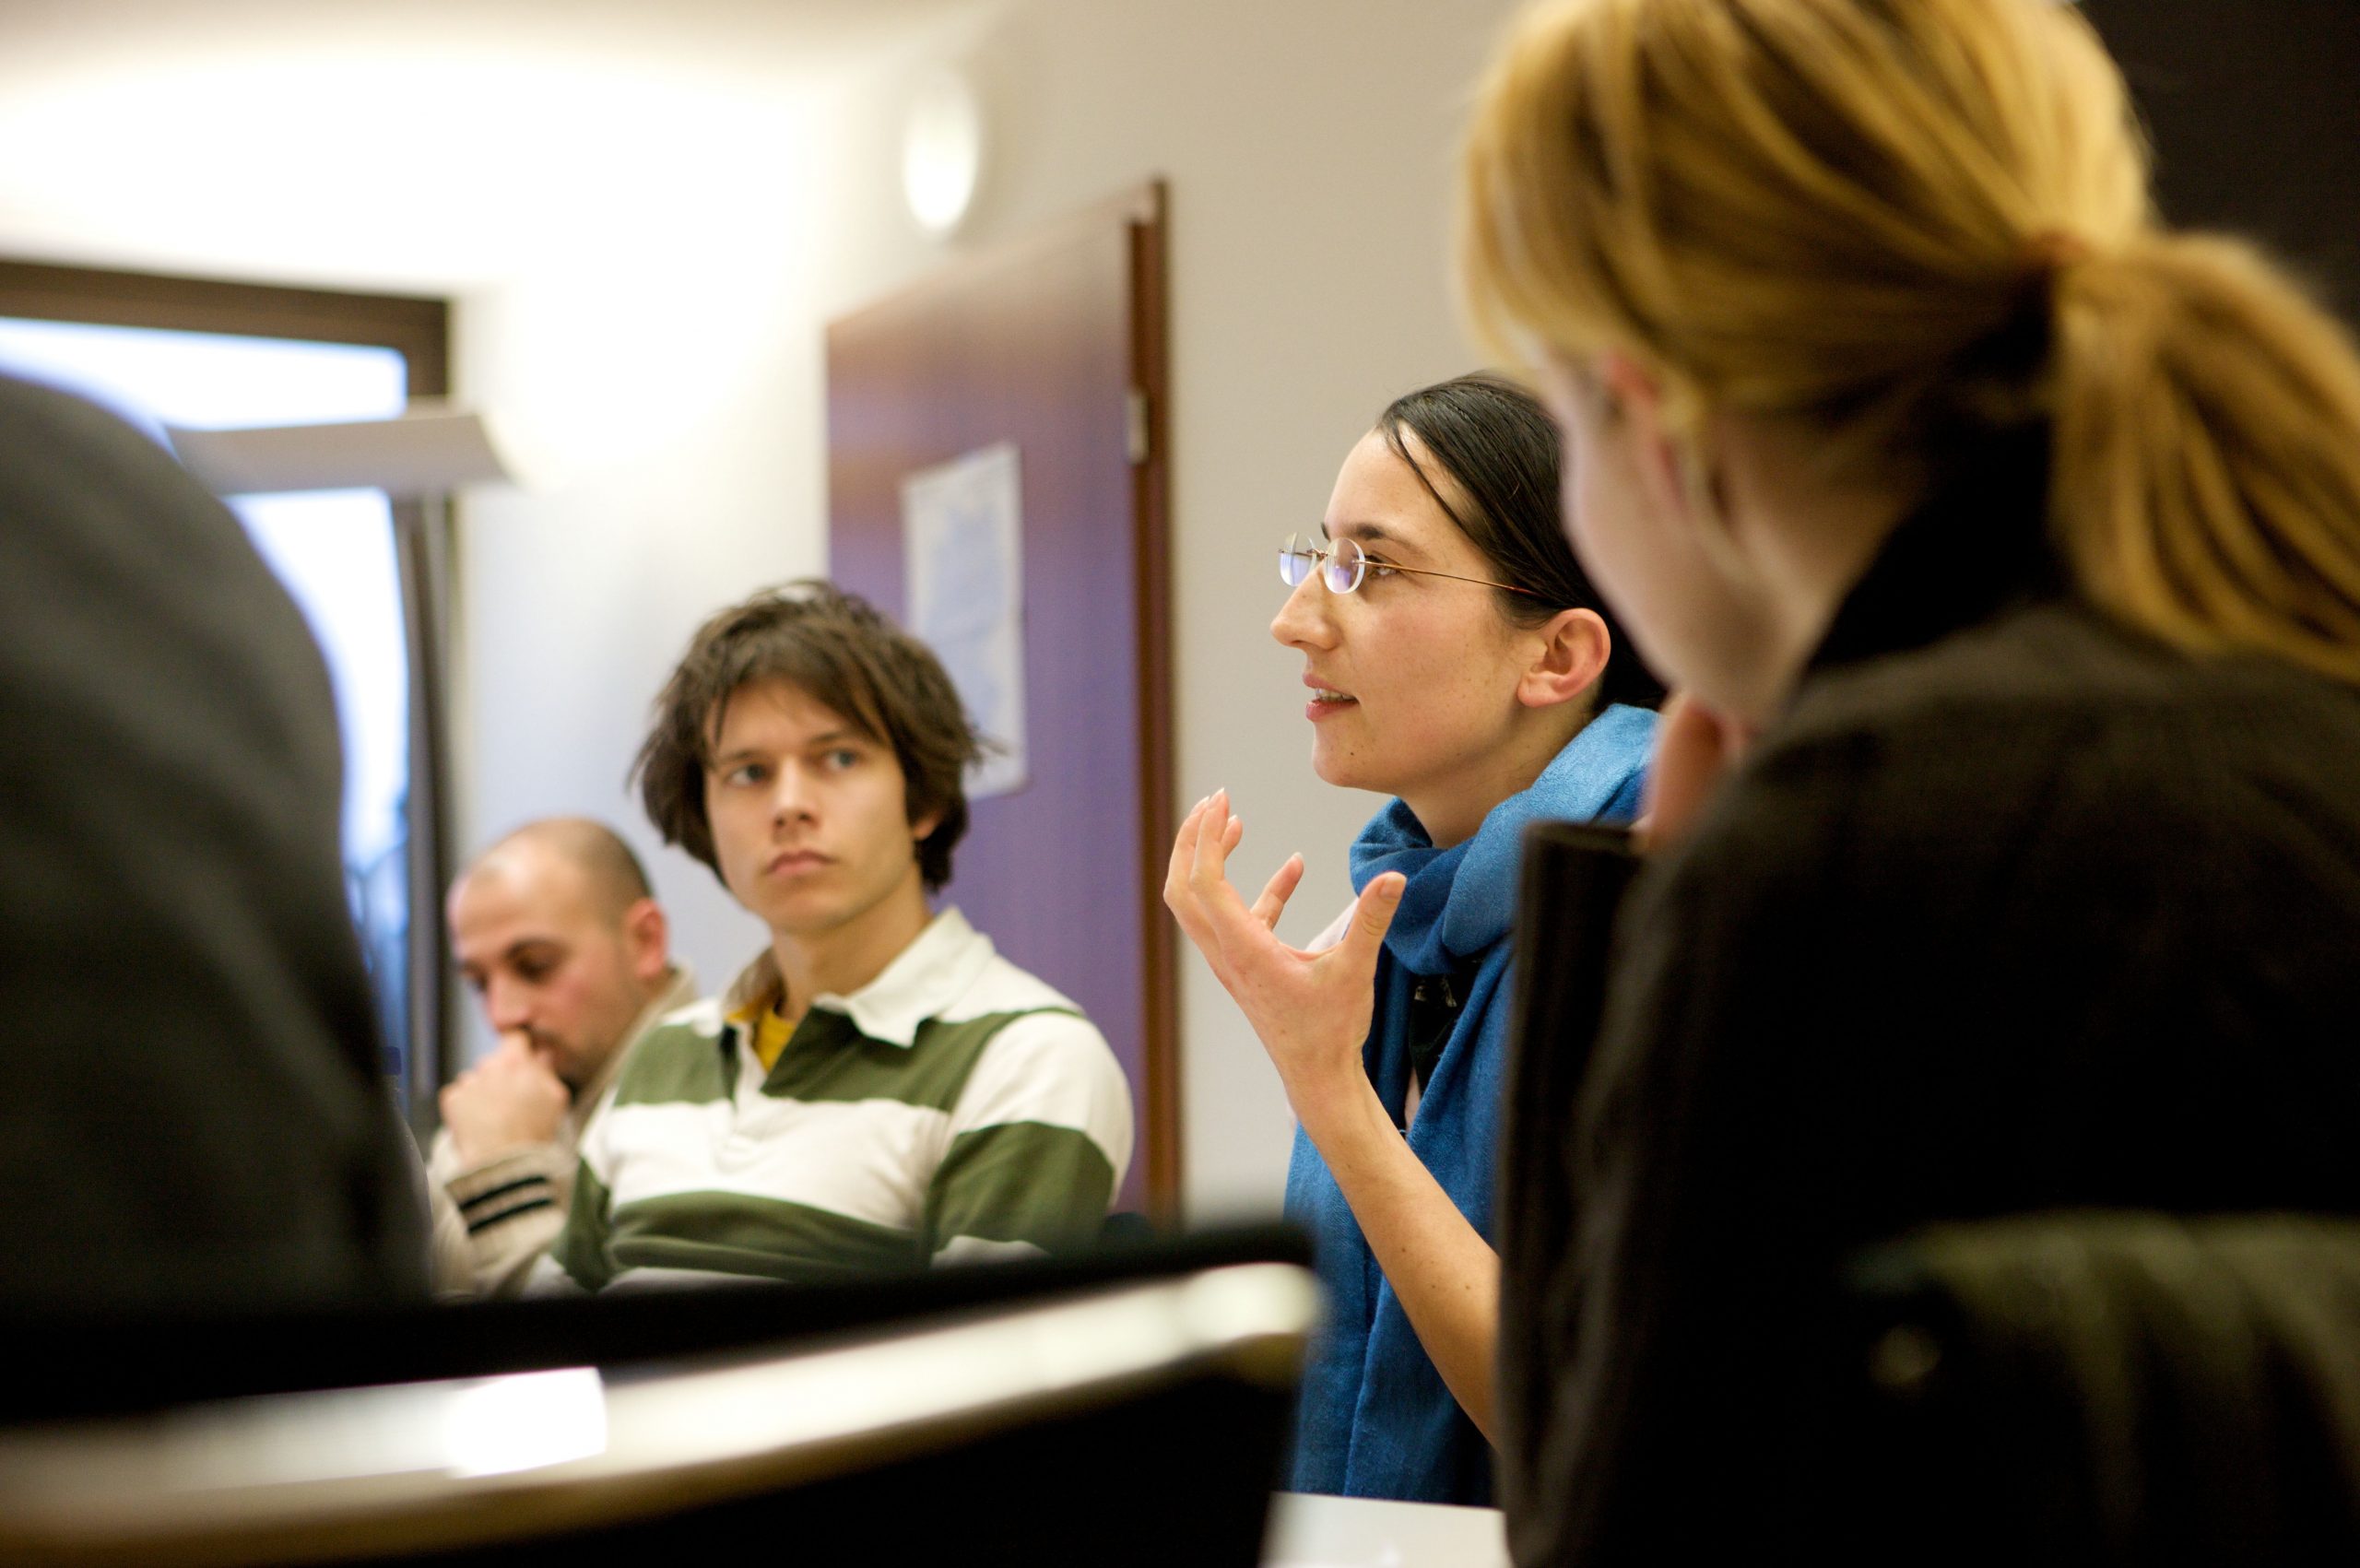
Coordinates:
1310 1011
1207 874
1180 897
1279 888
1183 856
1242 937
1372 917
1234 939
1196 887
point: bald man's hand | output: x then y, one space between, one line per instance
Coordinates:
509 1101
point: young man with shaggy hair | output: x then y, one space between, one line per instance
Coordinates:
878 1088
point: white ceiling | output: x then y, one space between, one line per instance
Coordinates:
405 144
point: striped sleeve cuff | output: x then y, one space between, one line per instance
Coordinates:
507 1201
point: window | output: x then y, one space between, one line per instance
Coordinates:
365 571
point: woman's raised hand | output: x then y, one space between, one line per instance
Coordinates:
1310 1010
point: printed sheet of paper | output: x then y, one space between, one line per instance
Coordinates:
963 546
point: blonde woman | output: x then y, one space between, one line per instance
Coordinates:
2023 535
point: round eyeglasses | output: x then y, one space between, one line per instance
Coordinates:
1343 566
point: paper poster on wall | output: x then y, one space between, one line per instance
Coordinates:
963 544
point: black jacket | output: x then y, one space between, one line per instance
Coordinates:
194 1116
2013 910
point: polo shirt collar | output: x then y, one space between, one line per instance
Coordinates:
938 967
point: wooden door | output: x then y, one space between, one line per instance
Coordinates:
1055 343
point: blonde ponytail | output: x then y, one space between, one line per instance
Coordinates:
1832 210
2205 483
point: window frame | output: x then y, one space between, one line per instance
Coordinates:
419 328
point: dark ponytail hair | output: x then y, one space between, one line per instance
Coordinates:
1499 450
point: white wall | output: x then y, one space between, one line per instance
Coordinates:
1308 147
661 392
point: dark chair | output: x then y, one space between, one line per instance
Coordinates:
1125 1409
2110 1387
2085 1387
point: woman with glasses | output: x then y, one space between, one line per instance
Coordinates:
2021 533
1457 659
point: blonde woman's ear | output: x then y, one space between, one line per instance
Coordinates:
1632 403
1627 389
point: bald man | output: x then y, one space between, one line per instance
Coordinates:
555 930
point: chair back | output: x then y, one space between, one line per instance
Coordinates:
2110 1387
1133 1413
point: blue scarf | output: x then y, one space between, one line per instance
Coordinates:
1376 1419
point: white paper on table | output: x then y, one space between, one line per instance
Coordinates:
963 549
1309 1530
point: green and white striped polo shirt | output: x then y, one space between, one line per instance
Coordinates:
954 1106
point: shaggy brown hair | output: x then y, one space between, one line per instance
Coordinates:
840 652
